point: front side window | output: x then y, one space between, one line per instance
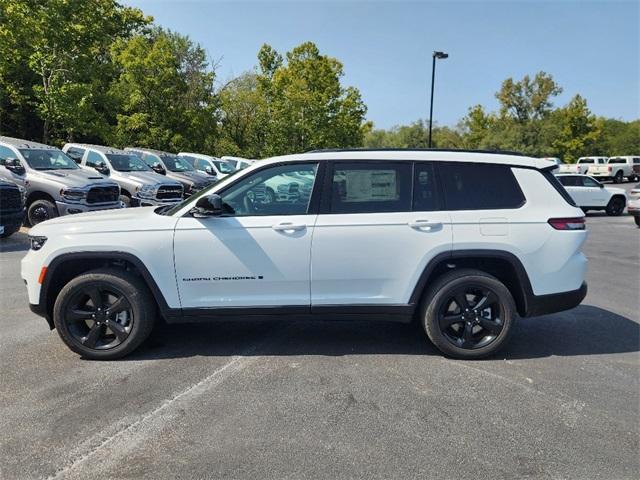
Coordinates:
371 187
279 190
224 167
48 159
176 164
127 163
570 181
589 182
152 160
477 186
5 154
75 154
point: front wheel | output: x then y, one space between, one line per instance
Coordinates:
468 314
41 210
615 206
637 220
104 314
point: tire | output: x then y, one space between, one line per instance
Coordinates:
126 199
615 207
95 337
637 220
489 328
9 230
41 210
618 177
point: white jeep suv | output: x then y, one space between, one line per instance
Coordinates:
464 242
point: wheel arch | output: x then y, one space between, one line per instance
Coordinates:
503 265
38 195
69 265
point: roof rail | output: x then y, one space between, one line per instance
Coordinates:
459 150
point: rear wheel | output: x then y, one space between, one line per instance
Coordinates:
468 314
616 206
104 314
126 199
637 220
41 210
618 177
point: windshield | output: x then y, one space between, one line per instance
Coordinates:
127 163
176 164
224 167
48 160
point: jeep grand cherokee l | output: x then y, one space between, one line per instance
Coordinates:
54 184
464 242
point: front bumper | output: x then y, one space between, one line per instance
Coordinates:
555 302
71 208
152 202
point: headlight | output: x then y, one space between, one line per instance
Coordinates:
148 191
73 195
37 242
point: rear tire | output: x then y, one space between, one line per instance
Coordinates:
637 220
41 210
618 177
615 207
468 314
126 200
86 325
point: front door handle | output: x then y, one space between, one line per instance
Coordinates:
288 227
425 225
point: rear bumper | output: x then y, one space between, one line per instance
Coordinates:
555 302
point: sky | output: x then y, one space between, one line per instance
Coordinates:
590 48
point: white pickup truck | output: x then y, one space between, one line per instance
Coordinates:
618 168
582 165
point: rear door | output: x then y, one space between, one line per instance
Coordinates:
379 224
574 187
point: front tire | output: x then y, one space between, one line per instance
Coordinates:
104 314
615 207
468 314
41 210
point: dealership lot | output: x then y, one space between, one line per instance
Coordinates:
331 399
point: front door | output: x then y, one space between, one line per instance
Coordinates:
257 253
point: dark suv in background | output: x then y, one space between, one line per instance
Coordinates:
11 208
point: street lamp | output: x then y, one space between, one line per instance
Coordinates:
441 56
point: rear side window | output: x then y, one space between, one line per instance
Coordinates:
371 187
569 181
476 186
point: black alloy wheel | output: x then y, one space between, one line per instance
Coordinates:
616 206
618 177
99 318
470 318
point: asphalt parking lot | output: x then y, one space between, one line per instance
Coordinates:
331 399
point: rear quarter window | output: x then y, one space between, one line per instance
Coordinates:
477 186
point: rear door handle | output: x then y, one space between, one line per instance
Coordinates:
288 227
425 225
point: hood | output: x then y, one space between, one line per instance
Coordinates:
77 178
191 178
144 178
112 221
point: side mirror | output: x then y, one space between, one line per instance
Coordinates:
102 168
209 170
208 206
14 165
601 185
159 169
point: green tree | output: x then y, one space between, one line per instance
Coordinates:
64 44
165 93
579 130
305 103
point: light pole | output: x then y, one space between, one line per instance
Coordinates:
436 55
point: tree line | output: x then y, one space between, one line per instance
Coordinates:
98 72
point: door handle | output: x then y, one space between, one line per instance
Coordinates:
288 227
425 225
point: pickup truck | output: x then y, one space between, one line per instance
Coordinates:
618 168
582 165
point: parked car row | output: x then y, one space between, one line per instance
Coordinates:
81 178
604 168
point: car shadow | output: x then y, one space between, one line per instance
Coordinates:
18 242
585 330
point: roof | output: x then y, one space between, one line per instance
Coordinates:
474 156
28 144
150 150
199 155
100 148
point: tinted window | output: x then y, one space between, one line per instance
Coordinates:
553 180
636 160
589 182
75 154
94 159
425 192
617 160
127 162
475 186
280 190
586 160
368 187
570 181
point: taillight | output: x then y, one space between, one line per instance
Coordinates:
610 168
577 223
